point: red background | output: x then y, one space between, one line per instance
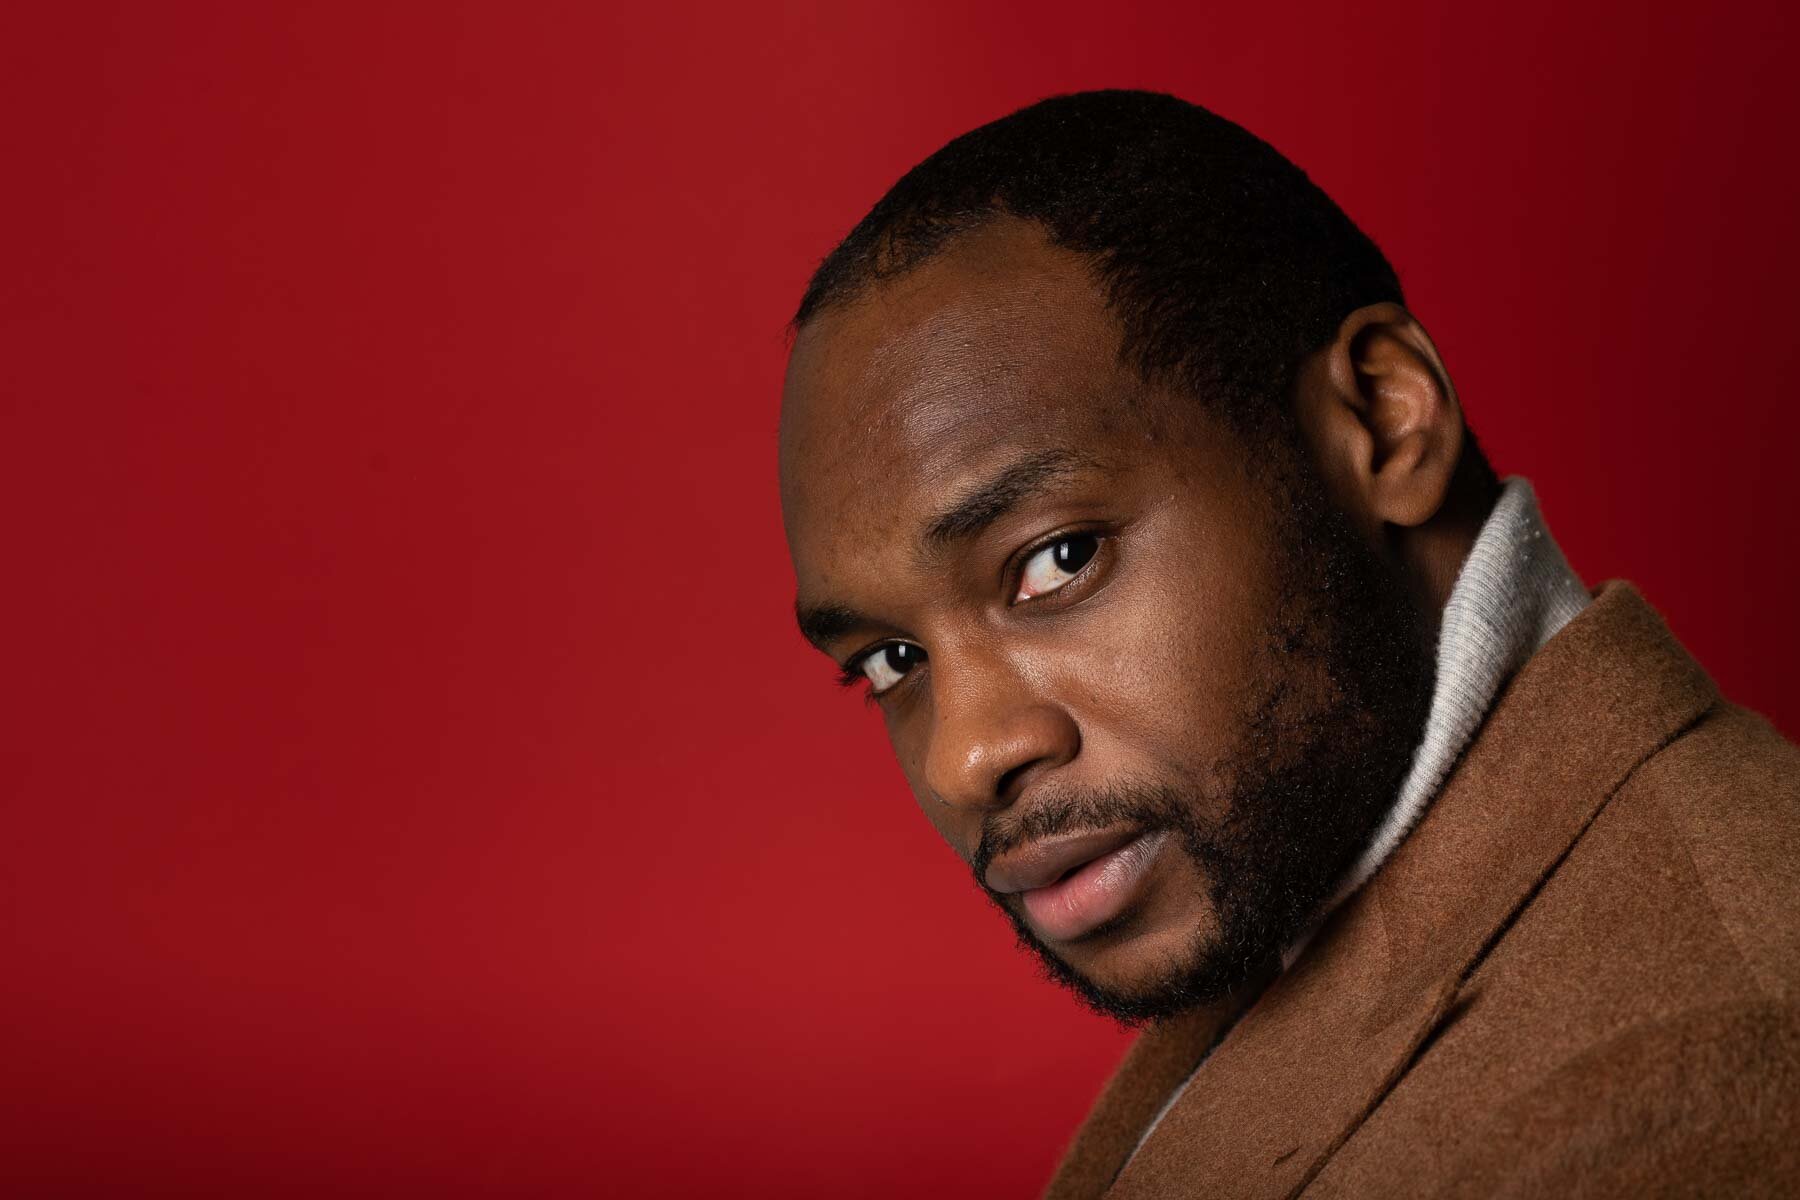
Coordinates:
412 782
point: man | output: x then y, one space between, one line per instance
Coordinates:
1116 471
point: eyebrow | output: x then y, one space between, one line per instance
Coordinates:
1020 481
822 624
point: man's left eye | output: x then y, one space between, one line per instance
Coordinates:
1056 564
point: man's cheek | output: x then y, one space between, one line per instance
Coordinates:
1166 688
943 818
911 757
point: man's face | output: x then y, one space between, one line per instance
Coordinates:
1140 673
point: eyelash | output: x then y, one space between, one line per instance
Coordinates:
851 673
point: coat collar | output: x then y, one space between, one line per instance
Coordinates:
1309 1061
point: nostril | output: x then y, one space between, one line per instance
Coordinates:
1012 780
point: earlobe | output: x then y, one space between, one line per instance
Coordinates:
1389 412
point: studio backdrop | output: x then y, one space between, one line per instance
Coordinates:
412 781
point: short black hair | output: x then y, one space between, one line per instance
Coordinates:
1224 264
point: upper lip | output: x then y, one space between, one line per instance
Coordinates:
1043 862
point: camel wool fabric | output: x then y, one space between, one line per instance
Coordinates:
1578 975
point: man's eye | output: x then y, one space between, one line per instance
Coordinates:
888 665
1056 564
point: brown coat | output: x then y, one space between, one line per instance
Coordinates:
1579 976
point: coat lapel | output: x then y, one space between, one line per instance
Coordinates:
1149 1074
1326 1042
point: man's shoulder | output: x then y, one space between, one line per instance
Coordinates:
1692 803
1730 773
1704 1101
1636 1026
1721 803
1682 893
1677 819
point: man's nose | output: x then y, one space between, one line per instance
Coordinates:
991 734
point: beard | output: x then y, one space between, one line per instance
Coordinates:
1345 681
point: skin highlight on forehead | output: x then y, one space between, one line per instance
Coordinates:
964 351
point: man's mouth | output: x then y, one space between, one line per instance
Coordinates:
1071 886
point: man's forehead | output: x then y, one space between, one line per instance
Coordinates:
1000 331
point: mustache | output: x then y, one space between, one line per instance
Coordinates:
1079 810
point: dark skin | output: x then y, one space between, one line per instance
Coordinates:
1058 575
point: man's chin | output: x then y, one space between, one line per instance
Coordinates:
1136 976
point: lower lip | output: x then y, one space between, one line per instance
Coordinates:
1078 904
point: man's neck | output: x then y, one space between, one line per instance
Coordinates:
1511 593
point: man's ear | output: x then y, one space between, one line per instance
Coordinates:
1381 416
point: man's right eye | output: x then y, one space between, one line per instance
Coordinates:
887 665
